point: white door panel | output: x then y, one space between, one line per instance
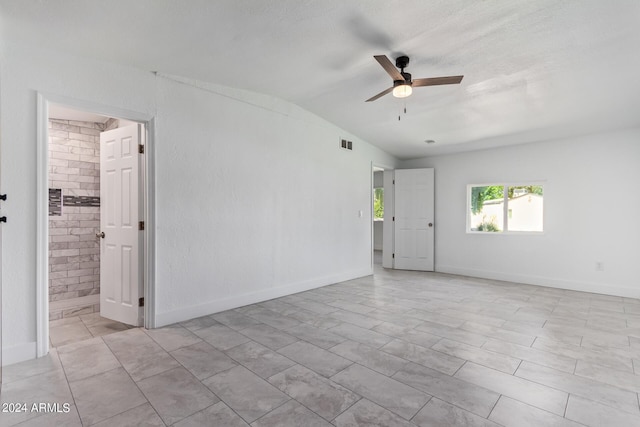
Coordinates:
414 212
120 249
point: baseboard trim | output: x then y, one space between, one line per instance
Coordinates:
595 288
18 353
236 301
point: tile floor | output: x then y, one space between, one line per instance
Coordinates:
377 257
80 328
394 349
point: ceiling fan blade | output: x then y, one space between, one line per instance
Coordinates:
389 67
434 81
383 93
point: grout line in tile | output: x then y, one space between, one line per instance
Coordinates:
495 404
68 386
518 367
264 415
350 406
225 404
422 407
457 370
566 406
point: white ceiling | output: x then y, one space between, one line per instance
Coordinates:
533 69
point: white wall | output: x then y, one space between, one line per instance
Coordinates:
591 208
254 198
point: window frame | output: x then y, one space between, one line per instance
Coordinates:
505 208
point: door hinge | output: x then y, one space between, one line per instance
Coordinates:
141 302
393 256
140 225
393 218
140 148
394 181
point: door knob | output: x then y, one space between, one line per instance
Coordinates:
3 219
430 224
100 235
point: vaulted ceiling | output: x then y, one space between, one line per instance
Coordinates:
532 70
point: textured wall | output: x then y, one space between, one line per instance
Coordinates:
74 251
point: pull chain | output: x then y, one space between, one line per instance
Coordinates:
404 109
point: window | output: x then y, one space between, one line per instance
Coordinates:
503 208
378 203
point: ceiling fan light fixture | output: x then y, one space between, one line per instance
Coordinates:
402 91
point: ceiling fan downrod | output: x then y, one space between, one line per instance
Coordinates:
402 62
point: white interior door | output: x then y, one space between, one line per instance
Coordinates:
413 226
120 248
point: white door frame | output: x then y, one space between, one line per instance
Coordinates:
42 208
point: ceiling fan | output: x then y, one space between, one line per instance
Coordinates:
402 83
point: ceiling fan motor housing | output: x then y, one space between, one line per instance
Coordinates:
402 61
407 81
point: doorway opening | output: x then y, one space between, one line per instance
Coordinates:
76 193
74 225
382 208
378 215
404 198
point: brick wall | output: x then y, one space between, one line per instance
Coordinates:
74 250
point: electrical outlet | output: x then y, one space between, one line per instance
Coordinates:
599 266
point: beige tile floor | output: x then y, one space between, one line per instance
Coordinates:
394 349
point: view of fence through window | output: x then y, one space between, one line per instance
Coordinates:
504 208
